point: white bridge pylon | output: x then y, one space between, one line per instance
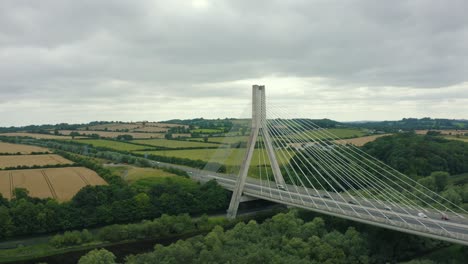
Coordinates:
258 125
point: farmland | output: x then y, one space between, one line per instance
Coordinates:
34 135
230 157
361 141
131 173
333 133
59 183
32 160
18 148
228 140
108 134
450 132
174 143
120 146
130 127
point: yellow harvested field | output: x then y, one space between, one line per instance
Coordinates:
31 160
33 135
33 181
5 184
108 134
59 183
360 141
19 148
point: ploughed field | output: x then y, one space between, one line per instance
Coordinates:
18 148
32 160
59 183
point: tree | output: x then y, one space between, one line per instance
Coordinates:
20 193
440 179
6 224
74 134
98 256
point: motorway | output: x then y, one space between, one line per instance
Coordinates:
399 217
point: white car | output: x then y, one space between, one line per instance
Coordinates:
422 215
281 187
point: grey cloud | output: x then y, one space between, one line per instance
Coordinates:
112 51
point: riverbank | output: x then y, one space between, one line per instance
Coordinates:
45 252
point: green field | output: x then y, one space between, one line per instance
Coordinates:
231 158
121 146
224 156
207 130
174 143
131 174
228 140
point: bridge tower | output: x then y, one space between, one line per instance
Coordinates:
258 126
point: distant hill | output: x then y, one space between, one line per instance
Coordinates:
412 124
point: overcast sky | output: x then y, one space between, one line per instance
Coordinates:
79 61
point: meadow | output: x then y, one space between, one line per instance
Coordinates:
226 156
132 174
111 144
174 143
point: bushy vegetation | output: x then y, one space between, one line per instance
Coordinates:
416 155
285 238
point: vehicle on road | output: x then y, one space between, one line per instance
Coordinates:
444 217
352 202
388 208
387 217
281 187
422 215
326 196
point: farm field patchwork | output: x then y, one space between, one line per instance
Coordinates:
31 160
133 126
19 148
121 146
109 134
34 135
59 183
174 143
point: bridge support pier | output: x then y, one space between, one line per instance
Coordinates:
258 124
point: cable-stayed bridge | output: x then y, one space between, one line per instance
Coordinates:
300 164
